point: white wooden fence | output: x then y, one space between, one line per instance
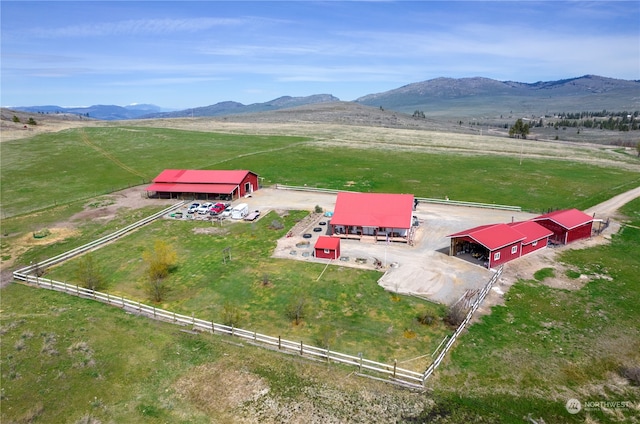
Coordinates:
483 293
393 372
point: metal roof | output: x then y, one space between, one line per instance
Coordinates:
325 242
373 210
493 237
199 176
567 218
531 230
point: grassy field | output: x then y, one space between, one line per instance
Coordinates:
77 164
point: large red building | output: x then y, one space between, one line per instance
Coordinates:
567 225
496 244
378 216
203 184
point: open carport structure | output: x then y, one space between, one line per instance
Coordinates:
203 184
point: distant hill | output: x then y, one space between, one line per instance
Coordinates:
232 108
102 112
437 98
482 96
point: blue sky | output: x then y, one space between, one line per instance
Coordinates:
188 54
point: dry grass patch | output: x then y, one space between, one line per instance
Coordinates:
217 388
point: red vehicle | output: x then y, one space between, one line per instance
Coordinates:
217 209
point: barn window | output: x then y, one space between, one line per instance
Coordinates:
534 244
496 256
514 250
327 251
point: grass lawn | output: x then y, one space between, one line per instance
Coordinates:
545 346
345 310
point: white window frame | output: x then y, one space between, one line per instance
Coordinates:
534 244
514 250
496 256
327 251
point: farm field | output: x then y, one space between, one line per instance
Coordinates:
473 384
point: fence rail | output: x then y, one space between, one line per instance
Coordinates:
99 242
409 377
419 199
483 293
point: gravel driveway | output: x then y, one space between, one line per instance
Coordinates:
424 269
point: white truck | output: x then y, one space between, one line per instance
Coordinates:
240 211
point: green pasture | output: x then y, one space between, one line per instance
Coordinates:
345 309
546 345
59 168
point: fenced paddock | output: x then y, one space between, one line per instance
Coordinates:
391 372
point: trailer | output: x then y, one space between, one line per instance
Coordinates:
252 216
240 211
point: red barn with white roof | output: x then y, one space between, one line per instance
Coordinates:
377 216
204 184
567 225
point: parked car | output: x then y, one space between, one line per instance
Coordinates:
217 209
193 208
204 208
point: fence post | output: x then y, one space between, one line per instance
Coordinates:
360 365
279 343
395 365
301 352
122 298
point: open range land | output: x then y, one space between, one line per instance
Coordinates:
560 324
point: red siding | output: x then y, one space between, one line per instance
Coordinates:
252 180
578 233
505 255
528 248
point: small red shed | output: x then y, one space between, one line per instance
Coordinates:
327 247
567 225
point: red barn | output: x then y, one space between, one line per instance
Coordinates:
536 236
204 184
374 215
496 244
493 244
327 247
567 225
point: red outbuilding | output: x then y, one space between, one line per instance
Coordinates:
536 236
567 225
378 216
327 247
496 244
203 184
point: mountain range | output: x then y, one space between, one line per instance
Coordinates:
475 96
